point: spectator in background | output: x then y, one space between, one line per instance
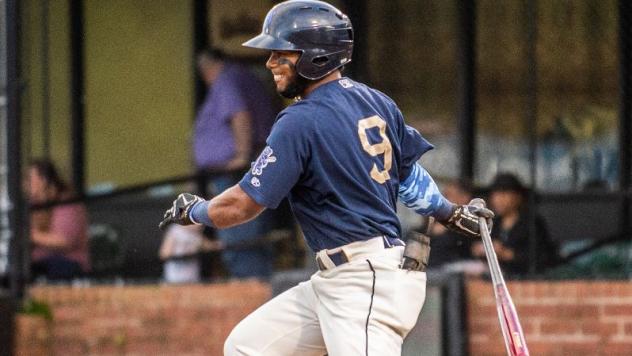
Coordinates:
180 251
230 129
447 246
59 233
510 234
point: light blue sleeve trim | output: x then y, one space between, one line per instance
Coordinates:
420 193
199 214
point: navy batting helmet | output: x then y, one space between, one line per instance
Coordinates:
321 32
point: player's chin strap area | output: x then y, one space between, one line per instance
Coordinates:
329 259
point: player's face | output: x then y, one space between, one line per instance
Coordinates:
282 64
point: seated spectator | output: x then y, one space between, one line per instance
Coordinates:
59 233
510 233
180 249
447 246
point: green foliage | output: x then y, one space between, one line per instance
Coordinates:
36 308
611 262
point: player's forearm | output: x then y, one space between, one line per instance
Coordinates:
420 193
228 209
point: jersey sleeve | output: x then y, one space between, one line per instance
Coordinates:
281 163
413 146
420 193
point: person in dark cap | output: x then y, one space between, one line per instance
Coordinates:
510 232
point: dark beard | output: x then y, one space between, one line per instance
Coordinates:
297 84
295 88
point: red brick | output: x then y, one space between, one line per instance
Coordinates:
491 348
539 348
569 310
576 348
617 348
530 327
478 290
594 327
543 290
191 320
70 346
618 310
616 289
483 312
483 324
572 312
558 327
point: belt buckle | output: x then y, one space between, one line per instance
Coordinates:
339 258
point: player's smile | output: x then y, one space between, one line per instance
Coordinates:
281 64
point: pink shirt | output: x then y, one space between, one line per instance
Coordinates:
71 222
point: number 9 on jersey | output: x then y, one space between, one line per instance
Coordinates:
381 148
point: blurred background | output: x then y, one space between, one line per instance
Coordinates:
108 91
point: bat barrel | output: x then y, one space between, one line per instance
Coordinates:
515 342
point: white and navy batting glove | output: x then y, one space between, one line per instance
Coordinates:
464 219
180 212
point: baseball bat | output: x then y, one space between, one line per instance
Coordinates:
515 342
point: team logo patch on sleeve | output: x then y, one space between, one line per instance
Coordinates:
345 83
262 161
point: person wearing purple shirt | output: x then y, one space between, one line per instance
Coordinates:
235 118
231 126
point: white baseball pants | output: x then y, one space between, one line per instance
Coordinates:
363 307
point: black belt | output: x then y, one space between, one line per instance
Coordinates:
339 258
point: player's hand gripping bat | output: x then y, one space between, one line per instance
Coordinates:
512 331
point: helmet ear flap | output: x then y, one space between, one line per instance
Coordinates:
310 67
303 66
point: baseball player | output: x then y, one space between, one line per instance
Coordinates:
343 155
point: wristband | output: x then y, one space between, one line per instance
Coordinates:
199 214
445 210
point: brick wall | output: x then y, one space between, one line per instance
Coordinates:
138 320
559 318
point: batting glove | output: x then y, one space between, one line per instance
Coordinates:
464 218
180 212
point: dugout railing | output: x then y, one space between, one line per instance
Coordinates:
579 223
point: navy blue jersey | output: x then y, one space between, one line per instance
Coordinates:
339 156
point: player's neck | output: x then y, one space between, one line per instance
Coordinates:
335 75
